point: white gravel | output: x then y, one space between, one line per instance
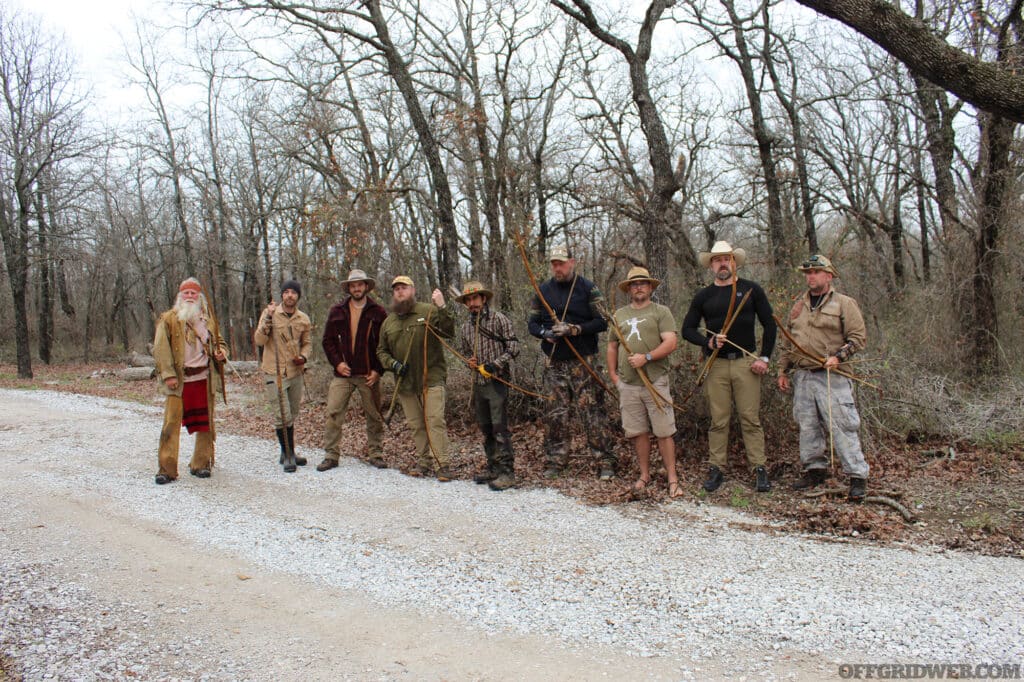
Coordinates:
676 580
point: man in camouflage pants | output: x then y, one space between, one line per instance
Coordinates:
575 301
829 328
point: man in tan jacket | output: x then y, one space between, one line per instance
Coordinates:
285 334
824 329
188 350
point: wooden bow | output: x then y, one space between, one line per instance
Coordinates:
702 377
797 349
543 301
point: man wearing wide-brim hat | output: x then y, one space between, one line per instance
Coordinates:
490 343
649 332
830 328
350 343
735 375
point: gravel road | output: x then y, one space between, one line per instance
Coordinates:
359 573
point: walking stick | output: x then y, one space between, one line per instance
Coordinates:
289 453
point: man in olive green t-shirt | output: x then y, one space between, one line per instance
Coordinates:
649 332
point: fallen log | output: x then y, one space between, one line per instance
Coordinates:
883 499
137 373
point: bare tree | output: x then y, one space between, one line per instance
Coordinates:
657 218
39 110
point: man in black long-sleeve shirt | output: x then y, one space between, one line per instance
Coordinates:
735 377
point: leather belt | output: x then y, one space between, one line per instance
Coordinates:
730 356
192 371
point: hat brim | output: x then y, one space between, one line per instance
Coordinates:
624 284
371 284
739 254
486 293
830 270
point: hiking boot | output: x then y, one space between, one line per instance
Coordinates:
761 482
327 464
485 476
378 462
420 470
552 472
858 489
811 478
606 473
714 479
444 474
503 481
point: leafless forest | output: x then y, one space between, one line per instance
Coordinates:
301 140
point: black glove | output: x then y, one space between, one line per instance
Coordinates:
491 368
399 368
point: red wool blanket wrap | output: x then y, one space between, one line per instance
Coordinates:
195 416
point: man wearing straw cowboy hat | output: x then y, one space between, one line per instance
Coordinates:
568 321
827 328
648 334
410 347
350 343
285 333
490 343
734 375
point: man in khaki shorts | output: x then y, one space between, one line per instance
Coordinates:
649 332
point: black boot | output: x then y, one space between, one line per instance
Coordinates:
301 461
282 439
858 489
287 454
810 479
504 464
761 483
714 480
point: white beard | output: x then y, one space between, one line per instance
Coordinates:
187 311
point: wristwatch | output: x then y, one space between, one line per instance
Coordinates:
765 359
647 357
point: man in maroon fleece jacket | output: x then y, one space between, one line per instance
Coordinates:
350 342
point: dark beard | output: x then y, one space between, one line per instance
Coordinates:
403 307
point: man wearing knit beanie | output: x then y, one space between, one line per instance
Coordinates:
285 334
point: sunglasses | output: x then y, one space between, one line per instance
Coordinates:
814 262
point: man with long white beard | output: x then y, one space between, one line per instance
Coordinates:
187 338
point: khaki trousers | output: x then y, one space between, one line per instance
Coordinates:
292 390
338 395
170 435
429 431
731 382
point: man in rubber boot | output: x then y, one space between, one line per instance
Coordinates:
827 328
410 347
188 350
735 376
285 334
576 324
649 332
350 343
490 343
